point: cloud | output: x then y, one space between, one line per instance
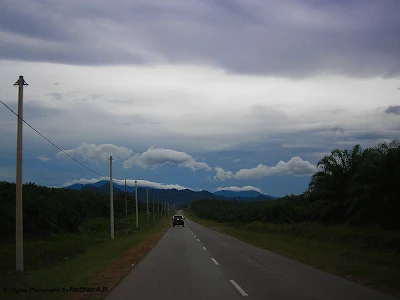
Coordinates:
84 181
157 157
236 160
395 109
43 158
337 129
98 153
129 182
295 166
222 175
283 38
240 189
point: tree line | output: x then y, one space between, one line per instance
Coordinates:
53 210
357 186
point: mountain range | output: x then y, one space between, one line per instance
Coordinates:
182 197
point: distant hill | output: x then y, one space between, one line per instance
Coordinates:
242 194
181 197
105 188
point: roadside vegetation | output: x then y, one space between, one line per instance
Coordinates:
347 222
67 238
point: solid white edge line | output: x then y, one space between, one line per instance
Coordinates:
238 287
204 248
215 262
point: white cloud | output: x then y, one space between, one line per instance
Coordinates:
129 182
43 158
84 181
240 189
222 175
97 153
157 157
150 184
236 160
295 166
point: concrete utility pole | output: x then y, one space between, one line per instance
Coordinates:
158 208
19 228
111 201
147 204
126 211
137 209
153 210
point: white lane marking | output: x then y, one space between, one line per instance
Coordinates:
198 240
215 262
238 288
194 235
204 248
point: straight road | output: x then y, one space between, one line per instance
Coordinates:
194 262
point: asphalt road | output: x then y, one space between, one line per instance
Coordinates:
194 262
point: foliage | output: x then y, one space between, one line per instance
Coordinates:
357 187
56 210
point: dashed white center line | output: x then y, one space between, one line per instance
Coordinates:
194 235
204 248
198 240
215 262
238 288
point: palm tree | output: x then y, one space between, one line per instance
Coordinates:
330 186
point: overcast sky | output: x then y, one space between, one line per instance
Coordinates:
205 94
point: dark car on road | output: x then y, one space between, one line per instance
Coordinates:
178 220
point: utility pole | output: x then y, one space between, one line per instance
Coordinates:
147 204
19 228
158 208
111 201
137 209
153 210
126 211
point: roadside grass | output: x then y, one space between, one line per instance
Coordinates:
70 260
368 258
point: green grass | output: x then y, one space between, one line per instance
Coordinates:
88 254
344 251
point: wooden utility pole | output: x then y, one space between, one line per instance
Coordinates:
153 211
147 204
158 208
111 201
126 211
137 211
19 229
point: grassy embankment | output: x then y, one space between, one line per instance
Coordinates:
367 256
88 259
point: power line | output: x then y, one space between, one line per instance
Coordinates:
52 142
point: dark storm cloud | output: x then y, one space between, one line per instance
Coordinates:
393 110
337 129
280 38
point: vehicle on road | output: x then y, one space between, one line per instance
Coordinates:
178 220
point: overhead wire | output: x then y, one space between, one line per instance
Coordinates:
86 167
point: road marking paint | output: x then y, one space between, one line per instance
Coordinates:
204 248
198 240
238 288
215 262
194 235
